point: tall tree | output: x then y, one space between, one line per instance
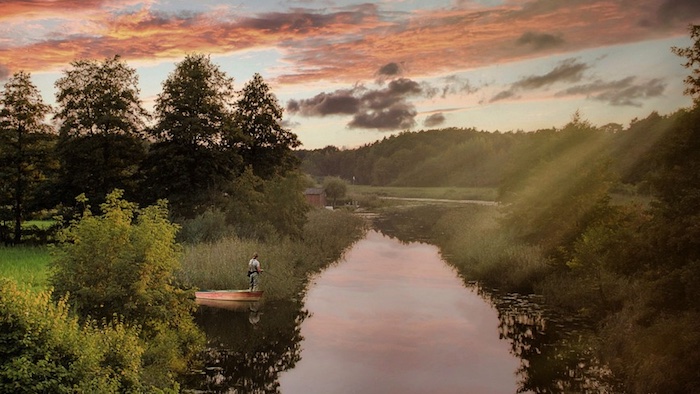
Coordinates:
268 145
25 145
195 154
101 125
692 54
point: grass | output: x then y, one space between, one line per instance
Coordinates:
41 224
449 193
27 265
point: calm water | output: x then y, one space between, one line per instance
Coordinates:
393 317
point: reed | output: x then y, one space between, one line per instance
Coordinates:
470 239
287 264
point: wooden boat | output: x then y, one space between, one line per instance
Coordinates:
229 295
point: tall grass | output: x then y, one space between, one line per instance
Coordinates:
26 265
287 264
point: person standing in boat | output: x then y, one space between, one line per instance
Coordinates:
254 271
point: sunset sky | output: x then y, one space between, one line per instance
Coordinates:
350 73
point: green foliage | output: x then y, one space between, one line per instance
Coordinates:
287 263
677 187
96 164
26 265
196 104
191 177
195 155
692 54
102 120
286 206
335 188
25 149
123 263
99 98
46 349
551 202
208 227
262 209
267 146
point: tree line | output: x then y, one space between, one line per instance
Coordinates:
466 157
206 145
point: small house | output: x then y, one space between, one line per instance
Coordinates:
315 196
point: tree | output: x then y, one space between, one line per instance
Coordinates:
101 125
267 145
692 54
259 208
25 145
551 201
334 187
195 154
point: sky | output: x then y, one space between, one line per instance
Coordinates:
350 73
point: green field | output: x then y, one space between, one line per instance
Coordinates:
27 265
449 193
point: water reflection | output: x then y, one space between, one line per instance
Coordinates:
249 344
554 350
393 317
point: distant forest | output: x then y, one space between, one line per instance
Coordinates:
458 157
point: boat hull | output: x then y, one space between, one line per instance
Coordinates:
229 295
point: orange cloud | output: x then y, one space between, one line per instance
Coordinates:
42 9
348 44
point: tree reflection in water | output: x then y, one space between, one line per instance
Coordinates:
248 348
554 351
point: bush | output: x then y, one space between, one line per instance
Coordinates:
123 264
45 349
208 227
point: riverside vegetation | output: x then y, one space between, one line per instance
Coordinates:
120 303
631 269
119 316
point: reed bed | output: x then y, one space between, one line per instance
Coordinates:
287 264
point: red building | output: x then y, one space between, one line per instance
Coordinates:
315 196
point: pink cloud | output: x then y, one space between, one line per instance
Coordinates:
349 44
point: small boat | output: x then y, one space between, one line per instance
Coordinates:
229 295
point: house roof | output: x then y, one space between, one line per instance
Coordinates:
313 190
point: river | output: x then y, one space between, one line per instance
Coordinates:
394 317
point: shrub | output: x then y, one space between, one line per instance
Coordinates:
123 263
46 349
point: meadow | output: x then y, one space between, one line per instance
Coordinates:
449 193
27 265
